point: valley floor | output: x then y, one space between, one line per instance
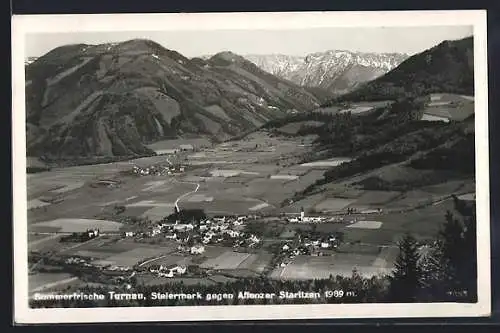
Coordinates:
252 176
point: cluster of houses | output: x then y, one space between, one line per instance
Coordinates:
302 218
307 246
168 271
207 231
158 170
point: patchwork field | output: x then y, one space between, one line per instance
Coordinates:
366 225
76 225
132 257
44 281
333 205
227 260
326 163
310 267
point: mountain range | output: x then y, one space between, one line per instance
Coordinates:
447 67
112 99
337 71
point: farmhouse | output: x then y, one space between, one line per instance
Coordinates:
197 249
186 147
171 236
183 227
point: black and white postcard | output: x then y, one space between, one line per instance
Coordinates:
250 166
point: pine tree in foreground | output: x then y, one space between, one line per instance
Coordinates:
405 281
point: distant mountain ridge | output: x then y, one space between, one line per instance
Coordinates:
445 68
112 99
337 71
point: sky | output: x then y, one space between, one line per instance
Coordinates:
409 40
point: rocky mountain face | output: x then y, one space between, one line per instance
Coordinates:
112 99
445 68
336 71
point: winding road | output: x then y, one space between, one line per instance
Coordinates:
186 194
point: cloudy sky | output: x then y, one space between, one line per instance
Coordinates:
408 40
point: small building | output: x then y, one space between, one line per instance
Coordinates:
197 249
171 236
183 227
232 233
129 234
285 247
186 147
325 245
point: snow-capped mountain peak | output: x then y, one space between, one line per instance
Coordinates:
335 70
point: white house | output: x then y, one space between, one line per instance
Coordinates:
197 249
286 247
325 245
129 234
168 274
183 227
171 236
186 147
232 233
254 239
176 269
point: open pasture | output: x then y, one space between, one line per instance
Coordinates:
132 257
149 279
68 187
326 163
468 196
333 205
227 260
423 223
155 186
77 225
169 259
307 203
303 181
156 214
200 198
284 177
370 198
366 225
256 262
41 281
357 109
37 203
48 243
309 267
176 143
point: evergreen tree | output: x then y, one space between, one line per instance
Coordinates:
405 281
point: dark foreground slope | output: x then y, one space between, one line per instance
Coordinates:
112 99
447 67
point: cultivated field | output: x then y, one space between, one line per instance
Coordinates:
311 267
227 260
76 225
46 281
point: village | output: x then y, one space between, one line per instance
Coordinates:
193 238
